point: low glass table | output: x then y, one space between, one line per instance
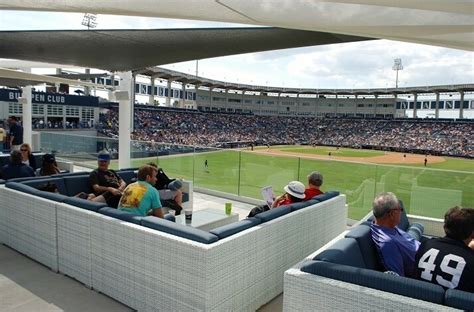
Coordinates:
208 219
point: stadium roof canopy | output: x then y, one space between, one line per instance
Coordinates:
124 50
163 73
447 23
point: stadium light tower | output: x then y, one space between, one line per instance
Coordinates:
397 65
89 20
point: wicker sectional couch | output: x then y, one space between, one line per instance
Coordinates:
345 276
152 264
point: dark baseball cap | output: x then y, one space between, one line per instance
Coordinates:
49 158
103 156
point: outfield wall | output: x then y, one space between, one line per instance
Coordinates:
424 191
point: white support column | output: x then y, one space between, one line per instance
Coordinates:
437 106
415 99
125 97
151 97
87 90
461 108
183 98
168 97
25 100
376 96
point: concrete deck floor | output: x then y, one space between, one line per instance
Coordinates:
26 285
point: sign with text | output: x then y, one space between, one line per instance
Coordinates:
12 95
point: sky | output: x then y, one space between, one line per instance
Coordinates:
349 65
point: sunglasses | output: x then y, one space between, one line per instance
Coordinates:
24 150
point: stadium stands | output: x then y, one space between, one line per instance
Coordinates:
451 138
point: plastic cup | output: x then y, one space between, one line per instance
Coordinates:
228 208
188 215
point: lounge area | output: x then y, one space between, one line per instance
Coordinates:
238 266
347 275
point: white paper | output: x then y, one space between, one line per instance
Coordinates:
267 194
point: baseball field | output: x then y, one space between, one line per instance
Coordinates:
359 174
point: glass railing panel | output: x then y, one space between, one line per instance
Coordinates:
216 169
257 171
434 191
80 149
355 180
176 160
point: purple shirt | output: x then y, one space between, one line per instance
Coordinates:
396 248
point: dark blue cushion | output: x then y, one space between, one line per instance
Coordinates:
22 188
38 159
127 175
71 174
273 213
28 179
53 196
236 227
377 280
344 251
33 191
121 215
326 196
36 183
362 235
459 299
84 203
303 204
179 230
2 181
77 184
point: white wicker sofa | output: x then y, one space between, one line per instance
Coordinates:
149 269
336 280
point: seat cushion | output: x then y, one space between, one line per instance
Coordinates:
363 236
33 191
236 227
179 230
303 204
121 215
36 183
127 175
459 299
416 230
77 184
344 251
84 203
273 213
326 196
377 280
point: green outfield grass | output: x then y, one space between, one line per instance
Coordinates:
451 163
424 191
325 150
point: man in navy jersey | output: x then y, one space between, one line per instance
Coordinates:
449 261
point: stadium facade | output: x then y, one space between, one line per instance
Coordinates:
179 90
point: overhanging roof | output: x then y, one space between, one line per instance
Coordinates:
14 78
123 50
447 23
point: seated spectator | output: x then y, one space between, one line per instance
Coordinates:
171 195
449 261
27 156
315 180
106 182
141 197
15 168
49 166
396 248
294 192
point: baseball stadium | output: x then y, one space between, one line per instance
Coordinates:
225 142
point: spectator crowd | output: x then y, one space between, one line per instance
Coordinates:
212 129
